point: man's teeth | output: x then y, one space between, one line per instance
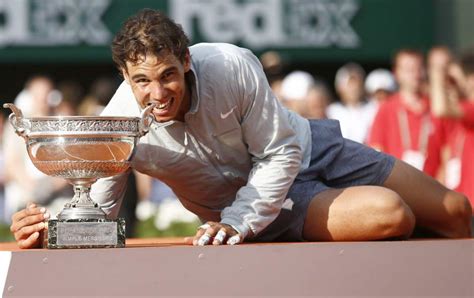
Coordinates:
163 105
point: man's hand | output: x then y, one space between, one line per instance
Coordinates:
215 233
27 225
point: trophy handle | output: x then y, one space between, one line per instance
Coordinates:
16 119
146 120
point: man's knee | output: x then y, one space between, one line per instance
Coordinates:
396 218
458 205
459 213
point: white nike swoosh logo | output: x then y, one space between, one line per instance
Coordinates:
223 116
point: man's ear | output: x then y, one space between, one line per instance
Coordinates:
125 75
187 61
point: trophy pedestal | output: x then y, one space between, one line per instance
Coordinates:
84 233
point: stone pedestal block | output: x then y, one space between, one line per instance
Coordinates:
85 233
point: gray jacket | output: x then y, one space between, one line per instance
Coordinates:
236 154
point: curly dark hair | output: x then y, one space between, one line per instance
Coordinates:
148 32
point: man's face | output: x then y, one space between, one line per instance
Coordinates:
160 80
40 90
318 102
439 59
352 90
409 72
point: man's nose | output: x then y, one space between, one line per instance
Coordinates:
157 90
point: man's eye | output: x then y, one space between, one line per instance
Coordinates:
168 74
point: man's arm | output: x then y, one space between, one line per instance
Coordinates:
109 192
444 99
273 146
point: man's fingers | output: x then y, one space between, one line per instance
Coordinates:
236 239
205 233
27 231
202 236
27 225
28 221
216 233
220 237
198 235
204 226
204 239
35 211
29 242
25 213
210 232
17 216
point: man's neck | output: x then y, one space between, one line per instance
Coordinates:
352 103
412 101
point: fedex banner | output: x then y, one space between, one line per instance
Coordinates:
270 23
81 30
53 22
258 23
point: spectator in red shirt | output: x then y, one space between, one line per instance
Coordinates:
403 123
451 148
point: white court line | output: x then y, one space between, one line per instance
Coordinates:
5 258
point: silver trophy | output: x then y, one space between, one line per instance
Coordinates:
81 149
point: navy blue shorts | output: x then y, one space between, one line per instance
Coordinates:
335 163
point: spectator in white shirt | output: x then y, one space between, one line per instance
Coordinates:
352 111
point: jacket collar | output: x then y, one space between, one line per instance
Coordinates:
192 80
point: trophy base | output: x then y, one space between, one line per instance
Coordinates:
84 233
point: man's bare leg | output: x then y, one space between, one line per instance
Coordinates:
356 214
436 208
371 212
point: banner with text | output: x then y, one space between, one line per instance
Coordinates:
303 30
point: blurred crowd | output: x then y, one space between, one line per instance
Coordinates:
421 110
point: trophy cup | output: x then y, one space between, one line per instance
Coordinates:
81 149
